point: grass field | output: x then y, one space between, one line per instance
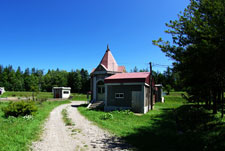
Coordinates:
47 95
16 134
173 125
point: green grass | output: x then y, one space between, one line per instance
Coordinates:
16 134
47 95
26 94
122 123
66 119
173 125
79 97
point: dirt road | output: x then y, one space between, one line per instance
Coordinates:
84 135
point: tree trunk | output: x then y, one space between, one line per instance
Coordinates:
210 100
222 104
214 102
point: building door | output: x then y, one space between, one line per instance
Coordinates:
100 91
136 101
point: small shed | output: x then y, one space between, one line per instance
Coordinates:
61 92
159 93
2 90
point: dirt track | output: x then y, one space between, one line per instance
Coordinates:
84 135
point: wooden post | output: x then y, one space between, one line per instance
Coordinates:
150 87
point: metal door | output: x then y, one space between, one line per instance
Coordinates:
136 101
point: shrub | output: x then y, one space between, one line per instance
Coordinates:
21 108
106 116
127 112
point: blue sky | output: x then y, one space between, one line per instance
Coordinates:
72 34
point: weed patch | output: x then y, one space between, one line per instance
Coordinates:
106 116
66 119
76 130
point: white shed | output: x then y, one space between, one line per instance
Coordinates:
2 90
61 92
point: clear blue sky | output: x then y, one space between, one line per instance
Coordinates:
72 34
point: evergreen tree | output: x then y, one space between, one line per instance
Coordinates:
19 84
85 82
199 51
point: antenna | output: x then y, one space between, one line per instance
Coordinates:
107 47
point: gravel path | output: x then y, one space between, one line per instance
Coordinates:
83 136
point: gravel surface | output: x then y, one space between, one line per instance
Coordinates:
83 136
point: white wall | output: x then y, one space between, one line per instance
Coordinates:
67 95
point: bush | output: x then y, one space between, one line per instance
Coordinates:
106 116
20 108
127 112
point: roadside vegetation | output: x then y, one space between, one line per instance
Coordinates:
41 95
17 133
173 125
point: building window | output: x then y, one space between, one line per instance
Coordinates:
65 92
119 95
101 90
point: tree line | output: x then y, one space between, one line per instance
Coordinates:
35 79
170 78
198 51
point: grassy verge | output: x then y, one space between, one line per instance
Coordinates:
66 119
16 134
173 125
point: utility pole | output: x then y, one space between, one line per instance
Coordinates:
150 87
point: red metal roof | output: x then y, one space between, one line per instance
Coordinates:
109 62
129 77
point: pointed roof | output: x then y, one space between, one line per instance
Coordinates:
108 61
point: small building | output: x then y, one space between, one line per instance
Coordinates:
61 92
115 89
128 91
2 90
159 93
107 67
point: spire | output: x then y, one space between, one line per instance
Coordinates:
107 47
108 61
